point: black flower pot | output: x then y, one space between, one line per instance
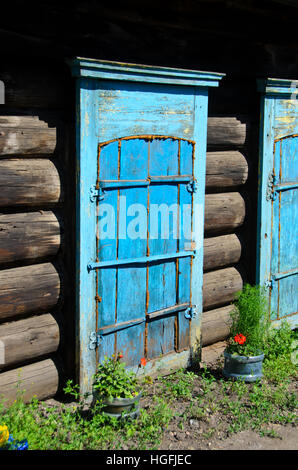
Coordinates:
246 368
121 407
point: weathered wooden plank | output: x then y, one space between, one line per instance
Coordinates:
29 338
225 170
224 212
227 131
221 251
26 135
220 287
28 289
134 278
40 379
29 182
184 267
162 277
30 235
216 325
277 218
22 121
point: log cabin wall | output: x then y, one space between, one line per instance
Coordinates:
37 232
227 205
37 326
37 164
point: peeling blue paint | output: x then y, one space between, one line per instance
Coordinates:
277 242
148 124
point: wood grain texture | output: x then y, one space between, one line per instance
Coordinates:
28 289
26 135
277 218
30 235
40 379
225 170
29 338
29 182
221 251
147 109
220 287
227 132
216 325
224 212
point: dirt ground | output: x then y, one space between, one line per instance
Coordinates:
249 440
210 431
194 435
244 440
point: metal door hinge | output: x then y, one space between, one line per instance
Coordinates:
192 186
269 284
270 193
96 193
95 340
190 312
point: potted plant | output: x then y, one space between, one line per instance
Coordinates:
116 389
243 356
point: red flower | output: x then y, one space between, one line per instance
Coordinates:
120 356
240 338
143 361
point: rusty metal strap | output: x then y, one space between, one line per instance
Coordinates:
286 186
167 311
278 276
106 330
98 191
140 260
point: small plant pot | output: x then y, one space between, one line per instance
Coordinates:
245 368
127 408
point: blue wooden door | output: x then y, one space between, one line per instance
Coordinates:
278 200
143 272
141 153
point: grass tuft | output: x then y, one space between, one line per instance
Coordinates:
199 405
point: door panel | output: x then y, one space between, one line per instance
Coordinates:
284 258
136 131
277 264
138 304
288 254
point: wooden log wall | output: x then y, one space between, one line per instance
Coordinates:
34 225
38 217
32 232
225 213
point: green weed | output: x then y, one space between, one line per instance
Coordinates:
180 384
278 362
249 319
176 399
67 428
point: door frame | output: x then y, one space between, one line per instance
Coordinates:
279 119
89 73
